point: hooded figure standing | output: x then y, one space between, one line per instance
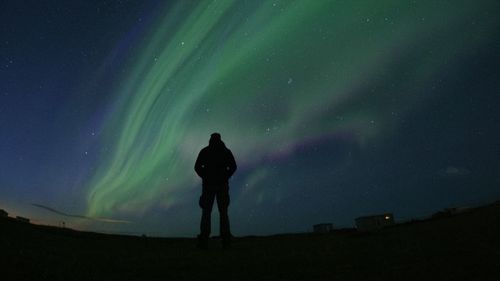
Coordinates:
215 165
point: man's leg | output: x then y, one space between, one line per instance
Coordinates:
223 204
225 231
206 202
205 224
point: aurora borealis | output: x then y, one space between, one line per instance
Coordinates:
333 109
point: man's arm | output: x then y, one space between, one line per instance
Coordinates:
199 165
231 167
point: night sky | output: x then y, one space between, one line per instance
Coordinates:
332 109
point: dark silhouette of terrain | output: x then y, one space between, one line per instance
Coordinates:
460 247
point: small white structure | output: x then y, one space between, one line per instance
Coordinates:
323 228
375 222
3 213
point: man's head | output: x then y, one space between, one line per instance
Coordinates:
215 136
215 139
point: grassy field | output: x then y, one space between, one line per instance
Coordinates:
461 247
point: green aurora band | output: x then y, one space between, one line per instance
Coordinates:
267 75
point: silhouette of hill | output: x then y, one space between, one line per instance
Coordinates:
465 246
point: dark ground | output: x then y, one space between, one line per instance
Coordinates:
461 247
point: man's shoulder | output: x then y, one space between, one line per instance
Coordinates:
203 151
216 150
229 154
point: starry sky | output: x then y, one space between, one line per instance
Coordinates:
332 109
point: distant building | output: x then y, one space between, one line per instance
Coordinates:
3 213
323 228
375 222
22 219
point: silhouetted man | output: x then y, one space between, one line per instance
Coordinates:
215 165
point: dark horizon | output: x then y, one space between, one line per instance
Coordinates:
428 250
